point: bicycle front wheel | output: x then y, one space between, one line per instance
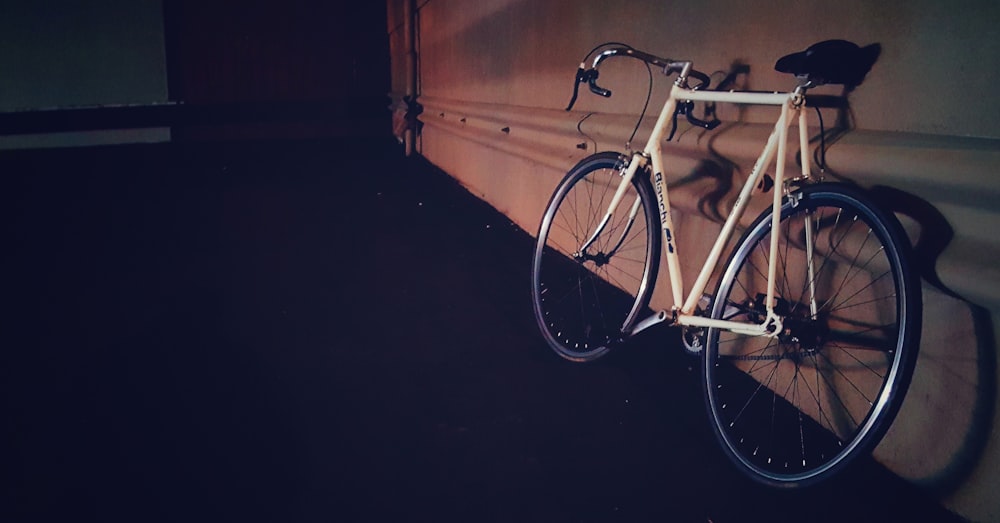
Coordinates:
797 407
589 283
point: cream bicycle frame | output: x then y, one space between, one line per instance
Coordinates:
776 144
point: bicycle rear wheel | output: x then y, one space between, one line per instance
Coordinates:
585 300
793 409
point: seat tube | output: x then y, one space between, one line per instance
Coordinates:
779 185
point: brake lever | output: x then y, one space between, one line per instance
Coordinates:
682 108
589 76
693 120
580 75
673 127
687 109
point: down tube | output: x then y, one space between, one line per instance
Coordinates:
667 224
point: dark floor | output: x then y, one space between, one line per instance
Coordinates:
299 332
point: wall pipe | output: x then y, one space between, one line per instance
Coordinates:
409 34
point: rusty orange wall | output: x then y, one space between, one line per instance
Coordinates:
495 76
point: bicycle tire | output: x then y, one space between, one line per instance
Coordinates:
585 304
798 408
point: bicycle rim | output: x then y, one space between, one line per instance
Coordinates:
584 301
796 408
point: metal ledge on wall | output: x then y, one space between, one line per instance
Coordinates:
942 186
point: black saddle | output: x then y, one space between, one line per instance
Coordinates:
831 62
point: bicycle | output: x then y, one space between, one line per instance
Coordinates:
808 343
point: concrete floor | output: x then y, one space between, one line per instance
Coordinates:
276 331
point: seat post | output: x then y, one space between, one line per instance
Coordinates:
805 83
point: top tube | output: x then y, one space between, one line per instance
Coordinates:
736 97
685 68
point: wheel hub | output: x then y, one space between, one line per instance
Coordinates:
599 259
807 334
798 328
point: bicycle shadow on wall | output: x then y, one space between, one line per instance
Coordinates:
967 369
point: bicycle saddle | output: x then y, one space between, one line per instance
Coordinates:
831 62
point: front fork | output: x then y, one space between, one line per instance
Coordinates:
628 172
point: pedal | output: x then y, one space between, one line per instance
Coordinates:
694 337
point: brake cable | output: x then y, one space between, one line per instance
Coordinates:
585 75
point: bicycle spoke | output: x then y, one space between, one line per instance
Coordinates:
828 371
583 299
762 386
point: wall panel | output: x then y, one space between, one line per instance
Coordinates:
64 53
495 77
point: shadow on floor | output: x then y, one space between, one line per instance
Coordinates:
307 331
